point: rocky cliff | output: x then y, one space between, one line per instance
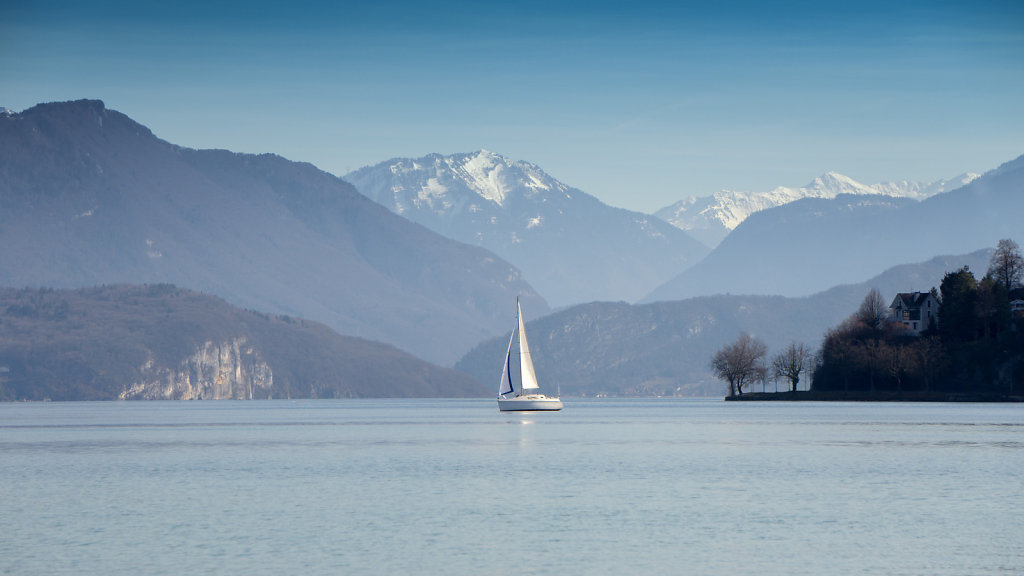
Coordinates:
232 369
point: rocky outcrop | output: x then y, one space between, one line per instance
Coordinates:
216 371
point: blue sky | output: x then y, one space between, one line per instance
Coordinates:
638 103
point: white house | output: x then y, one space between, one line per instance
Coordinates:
915 310
1016 307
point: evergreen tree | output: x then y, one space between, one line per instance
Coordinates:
958 311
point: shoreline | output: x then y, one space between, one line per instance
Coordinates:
840 396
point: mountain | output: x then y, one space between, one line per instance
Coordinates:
92 197
163 342
711 218
806 246
569 245
790 250
664 348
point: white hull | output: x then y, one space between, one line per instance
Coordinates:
529 403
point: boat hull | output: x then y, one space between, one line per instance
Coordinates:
530 403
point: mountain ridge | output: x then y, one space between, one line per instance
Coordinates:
572 247
93 197
806 246
711 218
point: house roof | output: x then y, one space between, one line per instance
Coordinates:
910 299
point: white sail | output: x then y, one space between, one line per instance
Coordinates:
526 363
505 387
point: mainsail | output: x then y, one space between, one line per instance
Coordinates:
526 363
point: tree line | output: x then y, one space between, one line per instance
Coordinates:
974 345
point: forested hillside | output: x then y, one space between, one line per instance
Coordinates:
163 342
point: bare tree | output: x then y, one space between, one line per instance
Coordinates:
1007 264
740 363
873 310
794 360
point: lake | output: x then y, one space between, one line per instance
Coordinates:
454 487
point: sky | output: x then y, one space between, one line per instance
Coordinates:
638 103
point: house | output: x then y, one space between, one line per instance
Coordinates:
915 310
1017 307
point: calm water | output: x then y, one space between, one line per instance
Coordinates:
455 487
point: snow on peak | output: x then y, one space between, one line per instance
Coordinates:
710 218
485 173
833 183
449 185
492 176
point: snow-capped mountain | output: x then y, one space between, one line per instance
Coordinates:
571 247
814 243
447 185
711 218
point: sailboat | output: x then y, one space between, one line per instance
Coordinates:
526 397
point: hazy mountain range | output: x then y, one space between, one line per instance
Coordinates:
571 247
664 348
711 218
812 244
90 197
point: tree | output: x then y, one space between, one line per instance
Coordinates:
740 363
1007 265
958 311
931 357
993 307
791 362
873 311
